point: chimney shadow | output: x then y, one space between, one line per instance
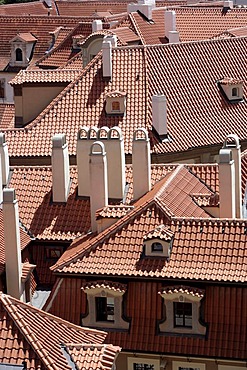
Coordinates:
61 220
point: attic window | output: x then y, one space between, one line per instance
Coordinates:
115 103
18 54
231 88
157 247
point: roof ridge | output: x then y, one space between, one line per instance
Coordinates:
25 330
209 219
172 175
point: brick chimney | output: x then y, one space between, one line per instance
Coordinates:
60 168
85 138
170 22
12 244
114 146
4 158
232 143
227 192
141 163
98 180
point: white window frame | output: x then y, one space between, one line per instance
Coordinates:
143 360
190 365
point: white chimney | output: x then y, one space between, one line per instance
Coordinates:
141 163
97 25
107 59
159 109
4 159
60 168
114 146
86 137
173 37
98 180
170 22
143 6
228 4
232 142
227 184
12 244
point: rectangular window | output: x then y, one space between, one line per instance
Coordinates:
104 308
139 366
182 314
2 88
188 366
53 253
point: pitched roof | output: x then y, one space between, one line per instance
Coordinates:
202 249
35 336
7 116
36 76
87 357
39 26
139 71
193 23
26 9
24 237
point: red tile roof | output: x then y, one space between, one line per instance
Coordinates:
139 72
115 211
88 357
117 287
26 9
36 76
202 249
25 240
193 23
195 292
27 269
39 26
35 336
7 116
89 8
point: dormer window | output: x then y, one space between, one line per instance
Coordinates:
115 103
18 54
158 242
231 88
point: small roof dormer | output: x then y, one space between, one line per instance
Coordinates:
158 242
232 88
115 103
22 46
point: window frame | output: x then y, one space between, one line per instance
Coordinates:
176 365
103 301
182 308
21 53
2 88
142 360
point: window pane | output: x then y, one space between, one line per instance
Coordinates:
115 106
157 247
104 308
139 366
182 314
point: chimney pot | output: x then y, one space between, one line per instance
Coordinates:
9 195
107 58
97 25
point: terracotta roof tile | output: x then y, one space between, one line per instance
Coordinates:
195 292
44 76
7 116
35 336
117 287
115 211
27 9
27 269
87 357
193 23
162 232
139 72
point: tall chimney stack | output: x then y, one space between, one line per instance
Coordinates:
97 25
4 158
114 146
141 163
60 168
227 191
98 180
170 22
12 244
232 142
107 58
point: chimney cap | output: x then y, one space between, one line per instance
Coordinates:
140 134
58 140
231 141
159 97
225 156
9 195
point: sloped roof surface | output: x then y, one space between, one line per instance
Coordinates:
36 76
26 9
25 240
198 114
35 336
7 116
193 23
92 357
